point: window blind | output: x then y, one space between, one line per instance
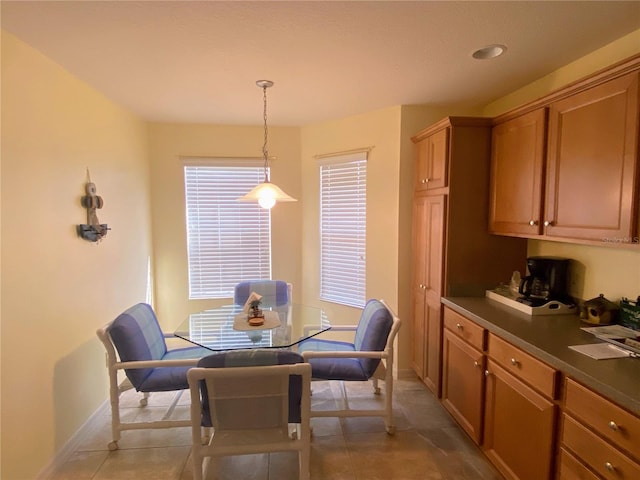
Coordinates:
343 207
227 241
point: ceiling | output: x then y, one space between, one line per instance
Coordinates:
198 61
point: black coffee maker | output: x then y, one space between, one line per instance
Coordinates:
547 281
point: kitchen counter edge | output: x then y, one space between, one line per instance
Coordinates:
548 337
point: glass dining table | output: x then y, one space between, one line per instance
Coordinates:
227 327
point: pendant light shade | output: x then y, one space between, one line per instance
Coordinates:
266 194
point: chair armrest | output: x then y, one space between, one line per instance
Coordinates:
344 328
187 362
362 354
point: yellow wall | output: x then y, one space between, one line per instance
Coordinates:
168 142
612 271
57 289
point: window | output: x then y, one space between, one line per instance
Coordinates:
227 241
343 207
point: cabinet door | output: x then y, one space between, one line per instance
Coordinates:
517 161
432 161
592 161
462 383
428 237
518 427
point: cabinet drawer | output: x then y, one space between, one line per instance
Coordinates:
572 469
608 420
602 457
464 328
537 374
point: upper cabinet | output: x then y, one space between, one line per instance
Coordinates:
567 168
517 161
592 162
432 154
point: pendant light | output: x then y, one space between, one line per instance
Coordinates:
266 193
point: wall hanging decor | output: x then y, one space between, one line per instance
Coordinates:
93 230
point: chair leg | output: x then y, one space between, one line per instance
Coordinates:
303 464
196 460
114 397
145 399
376 388
388 389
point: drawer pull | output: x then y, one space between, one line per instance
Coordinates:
613 425
487 373
609 467
533 223
458 326
515 362
476 364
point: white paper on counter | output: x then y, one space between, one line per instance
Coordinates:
600 351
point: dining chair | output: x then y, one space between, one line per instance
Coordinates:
275 293
370 356
250 398
135 343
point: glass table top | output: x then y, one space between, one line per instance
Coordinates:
227 327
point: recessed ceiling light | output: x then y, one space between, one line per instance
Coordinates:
490 51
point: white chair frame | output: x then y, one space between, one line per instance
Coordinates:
383 372
115 389
235 442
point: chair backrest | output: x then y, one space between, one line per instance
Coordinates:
375 325
262 389
274 292
137 335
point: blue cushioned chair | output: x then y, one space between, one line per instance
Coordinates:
370 356
250 405
136 344
275 293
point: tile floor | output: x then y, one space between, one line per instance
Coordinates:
427 445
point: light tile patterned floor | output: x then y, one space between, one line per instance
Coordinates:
428 445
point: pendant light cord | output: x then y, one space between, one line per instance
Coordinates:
265 152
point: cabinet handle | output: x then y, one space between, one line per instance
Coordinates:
458 326
547 223
613 425
476 364
515 362
487 373
609 467
424 180
533 223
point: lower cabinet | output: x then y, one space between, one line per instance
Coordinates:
463 363
598 437
502 397
519 427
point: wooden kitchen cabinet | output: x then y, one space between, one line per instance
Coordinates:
432 155
520 419
428 237
568 169
463 364
602 437
591 184
517 169
452 251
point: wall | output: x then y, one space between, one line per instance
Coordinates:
57 289
380 130
168 142
615 272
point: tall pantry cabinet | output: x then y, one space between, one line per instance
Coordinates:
453 253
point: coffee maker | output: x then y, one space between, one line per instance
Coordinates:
546 282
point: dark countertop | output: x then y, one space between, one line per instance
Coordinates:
548 337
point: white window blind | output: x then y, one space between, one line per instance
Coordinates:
227 241
343 206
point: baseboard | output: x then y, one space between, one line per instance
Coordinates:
72 445
407 374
